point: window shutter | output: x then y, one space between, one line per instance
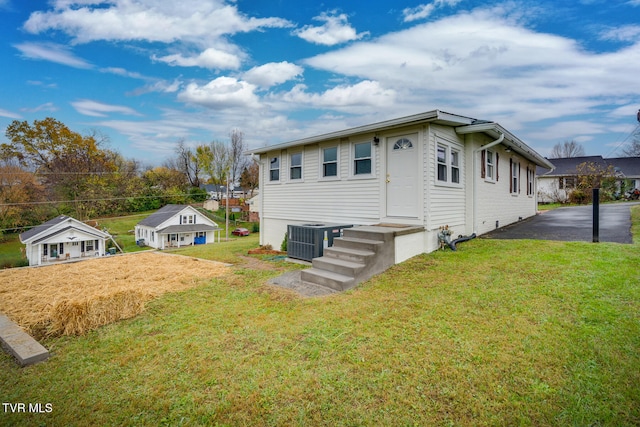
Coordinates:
483 172
519 179
510 176
497 166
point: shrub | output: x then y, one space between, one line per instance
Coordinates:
255 228
285 242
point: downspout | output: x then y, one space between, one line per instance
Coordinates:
475 178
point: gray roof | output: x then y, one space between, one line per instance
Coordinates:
628 166
567 166
42 227
161 215
54 222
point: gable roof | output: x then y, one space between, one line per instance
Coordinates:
161 215
169 211
52 226
462 124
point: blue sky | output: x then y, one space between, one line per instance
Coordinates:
148 73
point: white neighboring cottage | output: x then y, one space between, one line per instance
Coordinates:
61 239
176 226
427 170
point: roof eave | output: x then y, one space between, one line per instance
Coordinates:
429 116
511 141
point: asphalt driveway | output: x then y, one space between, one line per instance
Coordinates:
572 224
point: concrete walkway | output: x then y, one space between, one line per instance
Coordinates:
21 345
573 224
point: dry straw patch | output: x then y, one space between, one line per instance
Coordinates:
71 299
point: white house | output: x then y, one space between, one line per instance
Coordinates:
556 185
63 238
428 170
175 226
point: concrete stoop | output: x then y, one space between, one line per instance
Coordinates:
361 253
21 345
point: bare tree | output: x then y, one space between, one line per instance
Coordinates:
567 149
188 164
215 160
239 161
633 148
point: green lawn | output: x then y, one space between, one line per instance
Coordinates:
532 333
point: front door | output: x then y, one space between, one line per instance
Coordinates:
402 178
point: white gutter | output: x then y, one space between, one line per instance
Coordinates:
475 178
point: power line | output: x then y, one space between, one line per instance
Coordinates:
633 132
52 202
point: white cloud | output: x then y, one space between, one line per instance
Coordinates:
425 10
484 63
9 114
335 30
630 33
221 93
98 109
149 20
48 106
52 52
365 93
210 58
272 74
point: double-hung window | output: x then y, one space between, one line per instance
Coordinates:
274 169
530 180
448 163
330 162
515 177
362 159
295 166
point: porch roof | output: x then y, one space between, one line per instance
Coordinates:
187 228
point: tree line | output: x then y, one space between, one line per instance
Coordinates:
46 169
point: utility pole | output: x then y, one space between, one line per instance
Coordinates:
227 209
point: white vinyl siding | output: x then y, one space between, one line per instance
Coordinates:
445 200
352 201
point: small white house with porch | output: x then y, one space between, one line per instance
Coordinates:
404 179
63 239
176 226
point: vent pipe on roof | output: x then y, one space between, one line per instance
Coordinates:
475 178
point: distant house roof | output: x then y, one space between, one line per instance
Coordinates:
42 227
628 166
52 224
162 214
569 165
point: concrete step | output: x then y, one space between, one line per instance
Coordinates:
370 233
336 265
20 344
349 254
336 281
357 243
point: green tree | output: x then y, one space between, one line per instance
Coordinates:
68 164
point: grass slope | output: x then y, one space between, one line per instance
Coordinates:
497 333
